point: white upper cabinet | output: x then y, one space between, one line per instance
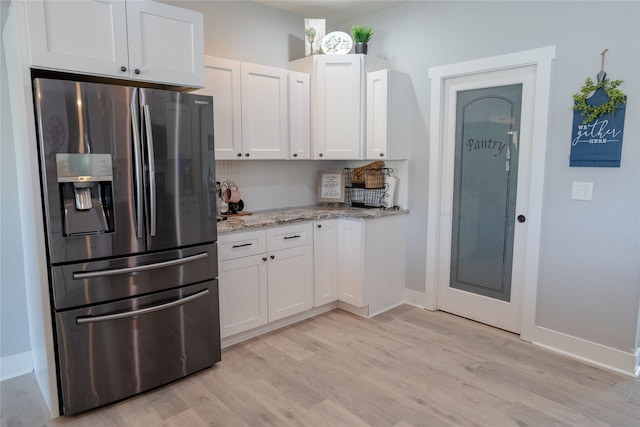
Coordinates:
387 115
166 43
336 104
339 103
338 109
377 114
250 109
141 40
299 116
222 81
265 133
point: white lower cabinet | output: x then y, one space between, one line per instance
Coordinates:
290 279
350 262
371 262
325 259
273 273
264 276
243 294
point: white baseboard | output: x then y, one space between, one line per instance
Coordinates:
627 363
416 298
15 365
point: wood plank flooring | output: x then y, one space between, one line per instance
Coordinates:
407 367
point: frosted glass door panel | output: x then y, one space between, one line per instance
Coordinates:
486 162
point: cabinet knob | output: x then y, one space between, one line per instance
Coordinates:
239 154
246 154
137 71
381 154
272 257
264 258
123 68
295 154
320 155
319 225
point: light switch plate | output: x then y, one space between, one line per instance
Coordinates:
582 190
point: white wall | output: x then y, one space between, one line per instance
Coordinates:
15 347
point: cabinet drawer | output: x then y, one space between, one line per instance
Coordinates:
290 236
231 246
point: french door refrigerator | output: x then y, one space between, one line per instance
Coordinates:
128 191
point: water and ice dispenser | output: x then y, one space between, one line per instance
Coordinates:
85 182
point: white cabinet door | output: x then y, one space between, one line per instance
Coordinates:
81 36
222 81
325 259
377 114
141 40
388 95
166 43
351 262
243 294
264 112
299 116
290 275
338 107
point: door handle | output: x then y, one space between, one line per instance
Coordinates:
521 218
83 320
152 171
101 273
135 123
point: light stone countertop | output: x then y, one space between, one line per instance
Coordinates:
274 217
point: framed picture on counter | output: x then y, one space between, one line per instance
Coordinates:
330 186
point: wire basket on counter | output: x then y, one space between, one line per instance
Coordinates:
368 189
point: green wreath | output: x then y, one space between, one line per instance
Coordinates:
592 112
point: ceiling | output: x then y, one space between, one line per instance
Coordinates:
336 12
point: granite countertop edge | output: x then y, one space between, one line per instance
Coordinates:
284 216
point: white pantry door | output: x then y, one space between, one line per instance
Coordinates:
487 134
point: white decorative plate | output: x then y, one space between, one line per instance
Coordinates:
336 43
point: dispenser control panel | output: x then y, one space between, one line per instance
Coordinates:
74 167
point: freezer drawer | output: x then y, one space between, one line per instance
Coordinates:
112 351
95 282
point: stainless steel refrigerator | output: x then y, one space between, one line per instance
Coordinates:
128 192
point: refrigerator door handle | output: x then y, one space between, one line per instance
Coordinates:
135 124
101 273
152 171
106 317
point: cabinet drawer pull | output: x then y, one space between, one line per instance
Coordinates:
297 236
241 245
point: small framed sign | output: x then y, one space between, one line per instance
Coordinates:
330 186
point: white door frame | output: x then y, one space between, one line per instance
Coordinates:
541 58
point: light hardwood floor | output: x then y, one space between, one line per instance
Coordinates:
407 367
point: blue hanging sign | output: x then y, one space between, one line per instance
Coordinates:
599 142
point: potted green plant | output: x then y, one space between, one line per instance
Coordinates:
361 36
